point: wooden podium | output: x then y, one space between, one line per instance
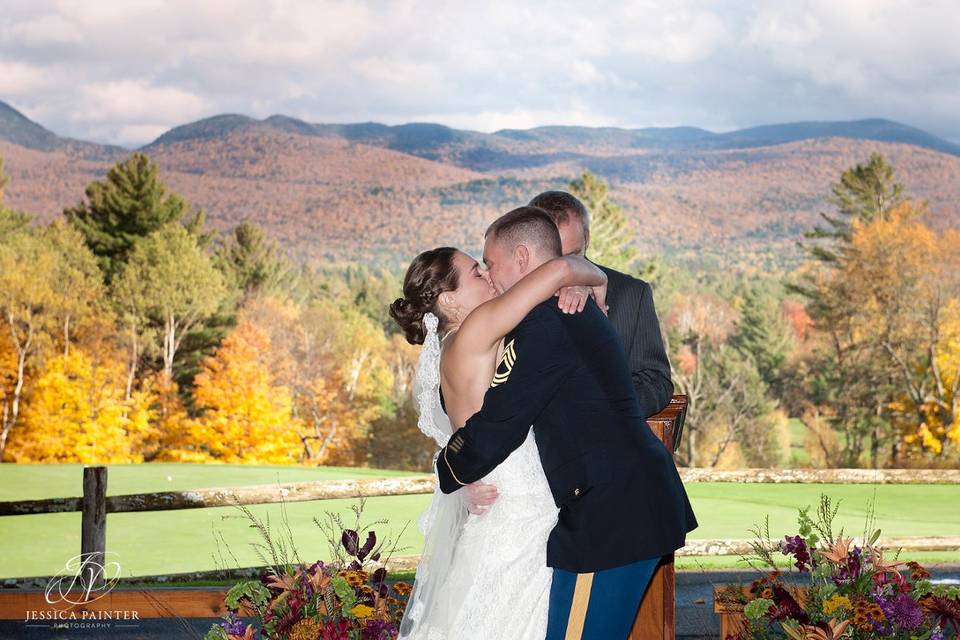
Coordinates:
656 619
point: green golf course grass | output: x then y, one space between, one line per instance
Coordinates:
184 541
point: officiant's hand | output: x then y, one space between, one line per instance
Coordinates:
480 496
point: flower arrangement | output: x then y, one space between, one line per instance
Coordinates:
348 598
847 590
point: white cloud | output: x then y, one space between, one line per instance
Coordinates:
21 79
133 101
119 70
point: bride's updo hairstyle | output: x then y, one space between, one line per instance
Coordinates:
430 274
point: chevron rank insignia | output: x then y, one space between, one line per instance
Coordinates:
505 365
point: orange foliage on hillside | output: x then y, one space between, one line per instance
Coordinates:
329 199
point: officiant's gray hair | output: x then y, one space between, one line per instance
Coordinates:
527 225
562 206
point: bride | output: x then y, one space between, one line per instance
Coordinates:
482 575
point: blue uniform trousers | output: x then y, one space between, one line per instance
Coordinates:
597 606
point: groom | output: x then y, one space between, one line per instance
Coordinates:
622 505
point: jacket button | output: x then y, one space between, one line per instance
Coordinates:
576 492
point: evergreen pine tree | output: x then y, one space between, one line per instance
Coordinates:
251 263
762 334
865 191
611 235
128 205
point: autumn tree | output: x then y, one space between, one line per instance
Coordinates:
170 282
130 204
79 412
343 381
246 415
611 235
28 268
10 221
77 283
735 408
695 327
395 440
849 384
4 180
902 282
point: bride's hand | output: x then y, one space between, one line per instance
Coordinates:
573 299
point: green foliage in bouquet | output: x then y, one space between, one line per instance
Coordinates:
849 591
348 598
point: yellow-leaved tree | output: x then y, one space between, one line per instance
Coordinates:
900 281
346 382
334 361
934 423
79 412
246 416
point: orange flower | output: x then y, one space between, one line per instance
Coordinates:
306 629
838 552
917 572
880 565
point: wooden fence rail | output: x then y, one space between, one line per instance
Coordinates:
220 497
413 485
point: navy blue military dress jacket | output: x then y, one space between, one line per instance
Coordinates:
620 496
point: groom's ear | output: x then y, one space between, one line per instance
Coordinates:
522 255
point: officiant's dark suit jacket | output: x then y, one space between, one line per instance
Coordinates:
634 318
619 494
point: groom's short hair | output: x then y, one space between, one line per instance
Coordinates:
527 225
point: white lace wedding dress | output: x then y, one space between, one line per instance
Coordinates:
481 577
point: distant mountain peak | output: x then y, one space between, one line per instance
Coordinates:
879 129
212 127
19 129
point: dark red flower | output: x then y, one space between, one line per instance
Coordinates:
350 541
944 610
339 630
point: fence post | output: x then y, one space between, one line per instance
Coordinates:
93 532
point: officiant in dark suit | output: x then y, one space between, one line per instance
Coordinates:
630 302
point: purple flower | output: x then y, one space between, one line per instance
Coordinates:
797 546
906 612
233 625
376 629
852 569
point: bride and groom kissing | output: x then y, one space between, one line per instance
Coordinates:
555 500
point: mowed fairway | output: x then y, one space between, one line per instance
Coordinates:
183 541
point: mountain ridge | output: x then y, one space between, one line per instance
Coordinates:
485 151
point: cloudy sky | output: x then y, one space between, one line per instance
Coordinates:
126 71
